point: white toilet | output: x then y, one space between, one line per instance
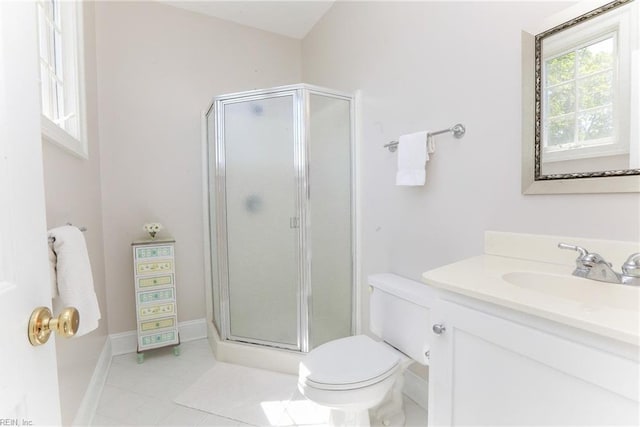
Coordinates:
360 379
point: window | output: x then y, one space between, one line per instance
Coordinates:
61 74
585 90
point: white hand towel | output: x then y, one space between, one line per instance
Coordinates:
412 156
73 273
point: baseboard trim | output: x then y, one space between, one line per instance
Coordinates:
192 330
416 388
124 342
127 342
91 399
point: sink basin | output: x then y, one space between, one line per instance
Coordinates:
590 293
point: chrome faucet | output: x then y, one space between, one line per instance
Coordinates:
593 266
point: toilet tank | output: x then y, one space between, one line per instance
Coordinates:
399 313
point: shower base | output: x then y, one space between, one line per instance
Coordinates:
255 356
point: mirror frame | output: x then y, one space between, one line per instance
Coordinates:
533 182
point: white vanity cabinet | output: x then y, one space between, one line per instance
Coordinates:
494 366
155 287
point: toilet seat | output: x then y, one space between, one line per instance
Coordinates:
348 363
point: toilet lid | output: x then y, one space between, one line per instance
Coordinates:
348 363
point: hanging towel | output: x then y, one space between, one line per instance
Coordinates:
74 278
412 156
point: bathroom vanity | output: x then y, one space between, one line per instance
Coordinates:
516 339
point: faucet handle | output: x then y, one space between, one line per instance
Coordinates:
585 258
583 251
631 267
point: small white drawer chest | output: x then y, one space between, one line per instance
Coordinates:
155 285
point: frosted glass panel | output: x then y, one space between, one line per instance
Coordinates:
330 214
261 209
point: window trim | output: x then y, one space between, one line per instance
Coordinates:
51 132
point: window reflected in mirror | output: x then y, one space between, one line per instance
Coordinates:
586 91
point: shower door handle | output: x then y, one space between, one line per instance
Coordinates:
294 222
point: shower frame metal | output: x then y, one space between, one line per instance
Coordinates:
301 94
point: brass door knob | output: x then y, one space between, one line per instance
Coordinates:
42 323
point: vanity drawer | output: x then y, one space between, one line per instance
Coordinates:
153 325
159 295
146 252
165 266
148 282
147 311
160 339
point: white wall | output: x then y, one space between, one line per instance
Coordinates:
158 68
426 66
72 192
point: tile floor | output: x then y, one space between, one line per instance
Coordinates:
143 394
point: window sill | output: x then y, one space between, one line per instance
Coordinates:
54 134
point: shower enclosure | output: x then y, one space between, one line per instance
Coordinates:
281 216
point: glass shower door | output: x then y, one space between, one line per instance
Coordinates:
260 149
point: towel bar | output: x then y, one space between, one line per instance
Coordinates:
81 228
458 130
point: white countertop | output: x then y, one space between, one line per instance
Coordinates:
607 309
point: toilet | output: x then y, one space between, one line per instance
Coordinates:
360 379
